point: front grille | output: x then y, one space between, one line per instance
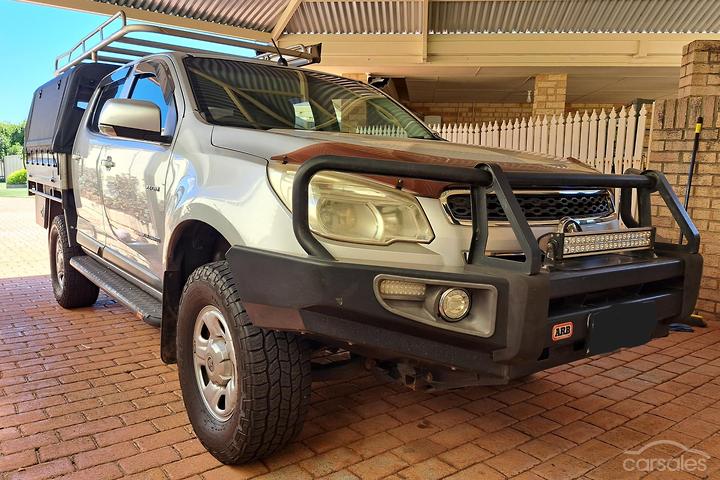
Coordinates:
549 206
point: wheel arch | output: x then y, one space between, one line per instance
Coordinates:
193 243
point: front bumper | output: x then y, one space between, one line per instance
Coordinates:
335 303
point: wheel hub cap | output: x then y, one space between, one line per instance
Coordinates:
214 361
218 362
59 262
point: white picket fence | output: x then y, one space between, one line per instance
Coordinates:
609 143
381 131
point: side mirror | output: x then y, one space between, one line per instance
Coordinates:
124 117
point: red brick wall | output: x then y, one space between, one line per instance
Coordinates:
549 94
472 112
489 112
671 149
700 71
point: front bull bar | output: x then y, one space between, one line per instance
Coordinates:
488 176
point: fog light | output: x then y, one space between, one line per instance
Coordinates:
454 304
400 289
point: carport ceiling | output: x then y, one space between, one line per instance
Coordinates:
616 85
507 16
612 50
443 16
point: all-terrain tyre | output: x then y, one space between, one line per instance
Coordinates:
246 389
70 287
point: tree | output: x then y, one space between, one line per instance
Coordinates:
12 136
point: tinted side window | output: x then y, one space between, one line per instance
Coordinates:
111 90
148 88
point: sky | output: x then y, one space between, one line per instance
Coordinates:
31 36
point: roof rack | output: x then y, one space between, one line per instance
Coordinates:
106 49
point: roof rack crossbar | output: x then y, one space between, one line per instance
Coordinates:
108 59
82 44
81 51
125 51
162 46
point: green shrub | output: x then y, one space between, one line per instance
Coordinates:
18 177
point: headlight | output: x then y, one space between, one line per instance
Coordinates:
353 209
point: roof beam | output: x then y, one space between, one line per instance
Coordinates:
394 54
425 28
350 1
155 17
284 18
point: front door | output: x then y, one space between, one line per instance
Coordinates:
133 180
88 151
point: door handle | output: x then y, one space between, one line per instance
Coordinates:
108 162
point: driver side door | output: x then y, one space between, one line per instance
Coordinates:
132 177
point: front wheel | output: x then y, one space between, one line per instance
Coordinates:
246 390
70 287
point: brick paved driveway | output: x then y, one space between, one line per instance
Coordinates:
83 393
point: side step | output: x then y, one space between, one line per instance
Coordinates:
144 305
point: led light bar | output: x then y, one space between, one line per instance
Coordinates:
400 289
579 244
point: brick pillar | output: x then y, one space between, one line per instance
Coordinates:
549 94
671 149
700 71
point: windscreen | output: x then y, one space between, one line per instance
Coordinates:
251 95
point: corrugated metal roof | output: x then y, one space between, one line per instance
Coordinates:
253 14
575 16
452 16
385 16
